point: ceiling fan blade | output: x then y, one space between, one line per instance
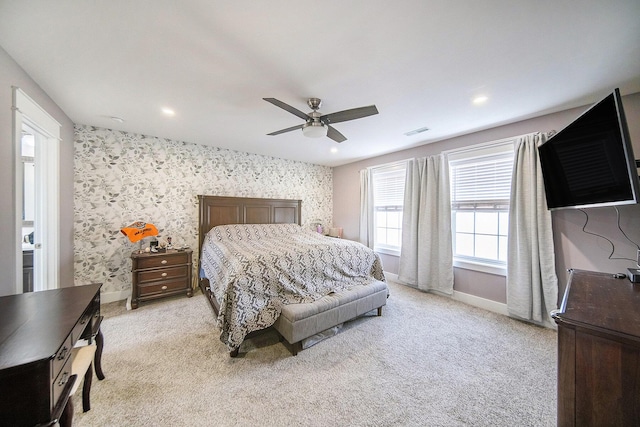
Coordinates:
352 114
287 107
278 132
335 135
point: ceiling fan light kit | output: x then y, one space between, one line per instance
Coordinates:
314 130
318 125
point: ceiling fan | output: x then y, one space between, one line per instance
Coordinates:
316 124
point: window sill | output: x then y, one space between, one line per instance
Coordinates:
482 267
387 251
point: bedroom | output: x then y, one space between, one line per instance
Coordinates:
331 194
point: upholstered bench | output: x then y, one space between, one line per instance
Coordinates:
298 322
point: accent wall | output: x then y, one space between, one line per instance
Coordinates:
122 177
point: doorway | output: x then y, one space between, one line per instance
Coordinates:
37 139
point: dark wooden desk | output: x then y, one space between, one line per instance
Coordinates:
37 332
599 351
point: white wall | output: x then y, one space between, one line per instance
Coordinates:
574 249
12 75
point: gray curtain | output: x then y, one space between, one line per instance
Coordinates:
366 208
426 259
532 284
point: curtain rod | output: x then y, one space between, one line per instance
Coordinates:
466 148
386 164
486 144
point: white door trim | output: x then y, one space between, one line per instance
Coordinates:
27 111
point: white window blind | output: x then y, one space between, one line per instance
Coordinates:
388 199
388 185
483 181
480 193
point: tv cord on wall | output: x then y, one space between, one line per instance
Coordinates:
613 247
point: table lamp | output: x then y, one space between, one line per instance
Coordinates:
138 231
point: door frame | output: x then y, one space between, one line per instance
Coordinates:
26 111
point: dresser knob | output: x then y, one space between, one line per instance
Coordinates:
164 274
164 288
164 261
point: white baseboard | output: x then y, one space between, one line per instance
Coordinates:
486 304
107 297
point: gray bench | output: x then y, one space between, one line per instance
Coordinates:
298 322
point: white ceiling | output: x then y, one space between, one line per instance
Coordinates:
420 62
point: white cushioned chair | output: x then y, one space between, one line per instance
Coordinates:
81 365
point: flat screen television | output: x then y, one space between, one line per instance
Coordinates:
590 162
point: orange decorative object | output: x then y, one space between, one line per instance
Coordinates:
139 230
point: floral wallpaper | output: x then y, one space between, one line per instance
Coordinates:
122 177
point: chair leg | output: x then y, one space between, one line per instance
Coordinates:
98 356
66 418
86 389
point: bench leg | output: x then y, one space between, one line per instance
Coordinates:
234 353
379 311
296 347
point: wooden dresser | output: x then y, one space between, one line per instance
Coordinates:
599 351
37 332
156 275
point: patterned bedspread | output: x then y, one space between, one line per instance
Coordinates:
255 269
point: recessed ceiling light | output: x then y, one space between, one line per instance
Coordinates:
416 131
334 150
168 112
480 99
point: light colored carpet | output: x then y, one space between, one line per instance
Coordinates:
428 361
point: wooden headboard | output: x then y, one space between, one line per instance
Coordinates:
216 210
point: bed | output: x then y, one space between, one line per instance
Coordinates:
260 269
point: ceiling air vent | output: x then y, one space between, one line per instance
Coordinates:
416 131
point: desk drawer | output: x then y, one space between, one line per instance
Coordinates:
57 386
81 326
163 260
163 274
163 287
61 356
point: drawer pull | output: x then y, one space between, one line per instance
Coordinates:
164 261
164 288
63 379
164 274
63 353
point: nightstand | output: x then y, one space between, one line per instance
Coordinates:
160 274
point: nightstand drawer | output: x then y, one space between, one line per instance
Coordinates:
162 287
163 260
163 274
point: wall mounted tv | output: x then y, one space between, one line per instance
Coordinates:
590 162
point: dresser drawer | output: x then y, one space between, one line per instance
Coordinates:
57 386
163 260
61 357
163 287
163 274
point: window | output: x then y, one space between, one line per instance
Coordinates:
388 198
480 192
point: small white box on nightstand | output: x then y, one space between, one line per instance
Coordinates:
634 274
